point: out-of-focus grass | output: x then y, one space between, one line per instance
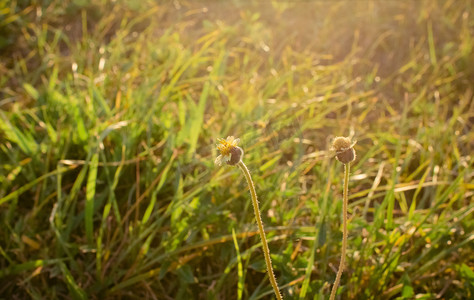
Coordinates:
109 114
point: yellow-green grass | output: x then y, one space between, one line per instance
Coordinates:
109 112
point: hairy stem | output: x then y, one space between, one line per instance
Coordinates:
256 209
344 230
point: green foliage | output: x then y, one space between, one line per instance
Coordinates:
109 115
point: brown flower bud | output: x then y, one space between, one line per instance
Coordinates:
343 147
236 154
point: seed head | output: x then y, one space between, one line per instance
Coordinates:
343 146
230 153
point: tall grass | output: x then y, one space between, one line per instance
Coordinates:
108 116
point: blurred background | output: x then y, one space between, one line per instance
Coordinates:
109 116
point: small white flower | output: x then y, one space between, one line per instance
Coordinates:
226 148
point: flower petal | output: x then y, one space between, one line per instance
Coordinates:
218 160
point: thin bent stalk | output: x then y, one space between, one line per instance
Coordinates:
344 231
256 209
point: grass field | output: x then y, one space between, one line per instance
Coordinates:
109 116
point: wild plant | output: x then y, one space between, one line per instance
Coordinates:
345 153
231 154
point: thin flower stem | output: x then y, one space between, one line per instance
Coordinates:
347 167
256 209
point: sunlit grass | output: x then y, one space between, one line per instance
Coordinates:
108 187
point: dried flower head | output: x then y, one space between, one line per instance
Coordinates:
344 148
230 153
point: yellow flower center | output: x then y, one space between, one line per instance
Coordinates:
225 147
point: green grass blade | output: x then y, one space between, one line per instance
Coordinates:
240 272
90 197
74 289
